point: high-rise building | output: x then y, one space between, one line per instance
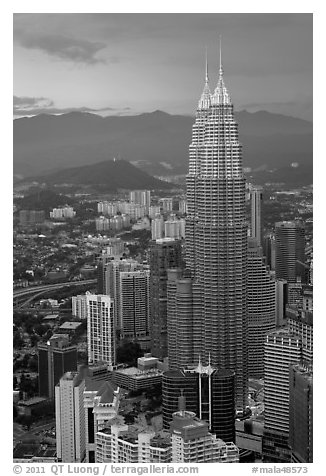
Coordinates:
300 323
31 217
63 212
193 443
282 349
134 311
301 414
70 418
121 443
55 357
281 301
183 206
153 211
112 282
216 237
174 228
157 226
290 251
256 198
100 329
101 405
269 250
164 254
79 306
261 308
179 319
167 204
141 197
209 393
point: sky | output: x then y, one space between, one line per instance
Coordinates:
131 63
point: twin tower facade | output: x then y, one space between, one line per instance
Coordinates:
207 303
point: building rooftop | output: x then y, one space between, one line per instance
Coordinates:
70 325
139 374
32 401
30 450
51 317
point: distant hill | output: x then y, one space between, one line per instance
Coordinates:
156 142
42 200
110 174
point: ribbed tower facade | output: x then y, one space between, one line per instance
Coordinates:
216 237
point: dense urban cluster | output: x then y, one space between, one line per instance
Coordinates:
167 328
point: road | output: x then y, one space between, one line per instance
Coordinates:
43 289
46 287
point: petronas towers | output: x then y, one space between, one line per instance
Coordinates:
216 237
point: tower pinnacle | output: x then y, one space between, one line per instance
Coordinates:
205 99
221 67
221 94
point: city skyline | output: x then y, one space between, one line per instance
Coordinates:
196 326
126 64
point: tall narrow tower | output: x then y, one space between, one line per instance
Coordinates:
256 199
216 236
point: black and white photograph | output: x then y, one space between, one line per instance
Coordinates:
162 241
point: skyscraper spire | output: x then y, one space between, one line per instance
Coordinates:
206 68
205 99
221 67
221 94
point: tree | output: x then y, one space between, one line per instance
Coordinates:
17 340
128 352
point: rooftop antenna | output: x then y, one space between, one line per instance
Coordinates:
206 65
221 67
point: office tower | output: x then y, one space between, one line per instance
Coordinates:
216 236
134 311
256 199
164 254
55 357
269 250
112 284
167 204
141 197
281 301
209 393
290 251
301 414
173 381
101 405
183 206
157 227
282 349
261 308
114 250
300 323
79 306
193 443
70 418
100 329
179 319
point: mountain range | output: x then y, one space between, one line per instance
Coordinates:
107 175
156 142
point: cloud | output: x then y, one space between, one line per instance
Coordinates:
301 108
62 46
32 106
24 104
